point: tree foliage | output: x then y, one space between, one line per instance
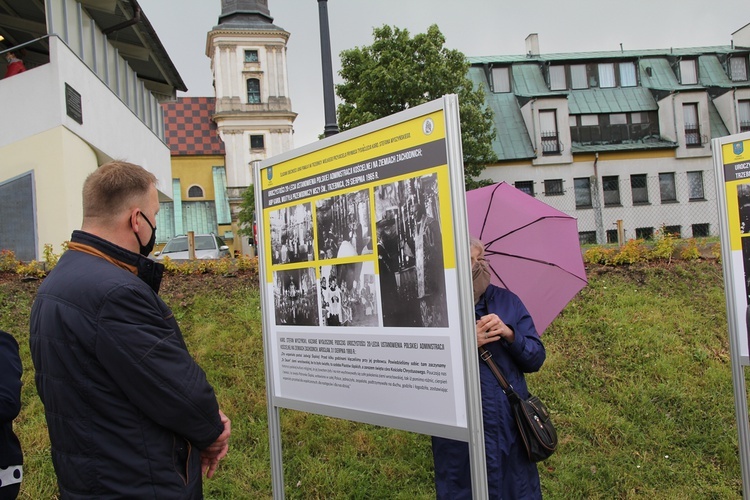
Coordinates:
398 72
246 215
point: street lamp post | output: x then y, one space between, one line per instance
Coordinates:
329 104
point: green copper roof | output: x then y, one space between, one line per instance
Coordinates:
615 100
606 55
512 141
718 129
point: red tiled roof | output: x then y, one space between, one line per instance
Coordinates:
189 129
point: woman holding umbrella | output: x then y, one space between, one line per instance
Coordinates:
505 328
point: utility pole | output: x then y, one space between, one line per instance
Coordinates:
329 103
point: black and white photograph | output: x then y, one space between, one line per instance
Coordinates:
348 295
295 295
410 253
292 234
344 227
743 204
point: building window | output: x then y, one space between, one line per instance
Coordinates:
618 119
578 78
557 78
251 56
553 187
525 186
582 187
607 75
738 69
700 230
611 188
627 74
675 231
256 142
692 129
743 108
639 188
644 233
500 80
589 120
195 192
667 187
253 91
548 127
587 237
695 186
612 236
688 72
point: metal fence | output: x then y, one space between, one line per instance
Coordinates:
613 209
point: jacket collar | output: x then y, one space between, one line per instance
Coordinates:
146 269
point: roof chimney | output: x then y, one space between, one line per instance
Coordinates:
532 45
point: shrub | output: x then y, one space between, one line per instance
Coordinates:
631 252
8 262
599 255
664 245
690 252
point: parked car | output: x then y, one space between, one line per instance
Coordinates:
207 246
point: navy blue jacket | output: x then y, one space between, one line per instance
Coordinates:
510 474
10 400
127 407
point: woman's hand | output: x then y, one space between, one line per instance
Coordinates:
490 328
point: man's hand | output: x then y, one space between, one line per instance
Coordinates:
217 450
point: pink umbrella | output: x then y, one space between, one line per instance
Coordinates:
533 249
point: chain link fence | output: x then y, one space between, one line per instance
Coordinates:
614 209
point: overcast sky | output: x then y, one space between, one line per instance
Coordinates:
475 27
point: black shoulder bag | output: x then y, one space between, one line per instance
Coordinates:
531 415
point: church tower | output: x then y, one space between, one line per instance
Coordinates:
253 111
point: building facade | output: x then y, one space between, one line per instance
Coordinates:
96 73
620 140
199 182
253 112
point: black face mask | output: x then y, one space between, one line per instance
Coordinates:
146 249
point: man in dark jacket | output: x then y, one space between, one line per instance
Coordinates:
11 458
130 413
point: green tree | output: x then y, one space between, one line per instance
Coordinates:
246 216
398 72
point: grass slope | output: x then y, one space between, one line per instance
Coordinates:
638 377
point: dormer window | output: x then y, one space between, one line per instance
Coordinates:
738 68
688 72
501 80
627 74
607 75
578 78
557 78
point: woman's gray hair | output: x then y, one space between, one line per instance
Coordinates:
477 243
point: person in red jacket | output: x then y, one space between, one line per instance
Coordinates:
15 65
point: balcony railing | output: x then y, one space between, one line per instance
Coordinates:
551 144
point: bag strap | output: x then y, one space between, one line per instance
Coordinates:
504 385
486 356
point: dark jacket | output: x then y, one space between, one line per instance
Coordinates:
10 400
510 474
127 407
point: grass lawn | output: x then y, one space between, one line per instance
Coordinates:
638 378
